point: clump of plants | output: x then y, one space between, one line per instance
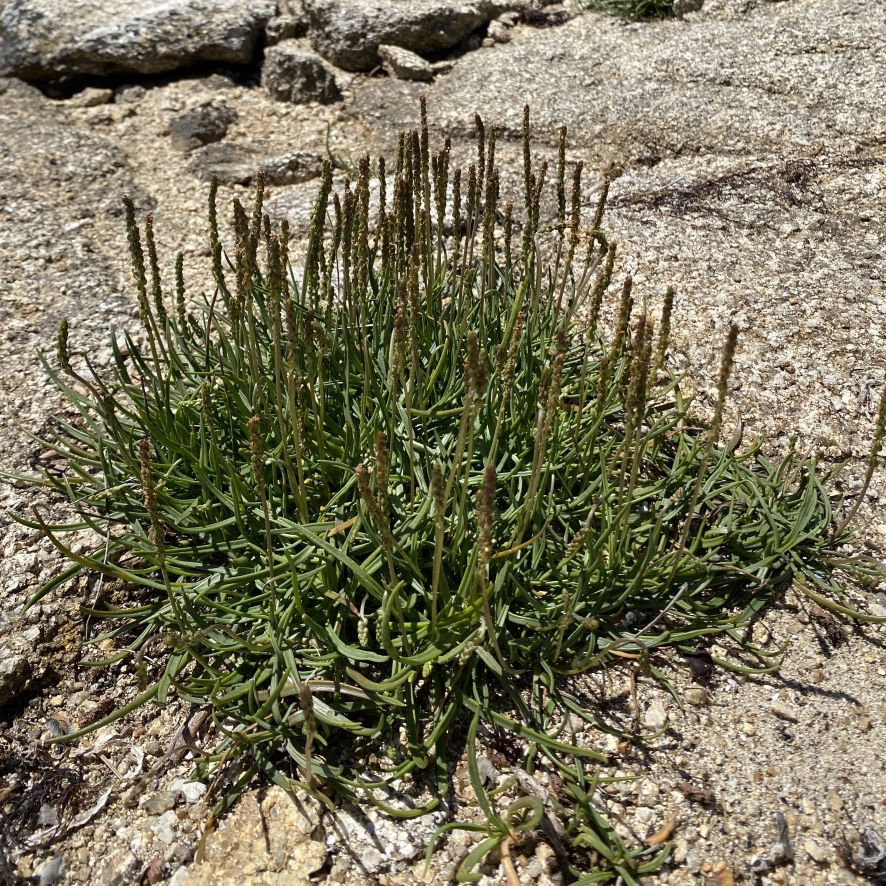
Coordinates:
369 502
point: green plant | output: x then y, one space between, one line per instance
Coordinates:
633 8
414 483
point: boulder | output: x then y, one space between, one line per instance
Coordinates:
232 163
294 74
349 32
403 64
45 39
236 163
290 169
200 126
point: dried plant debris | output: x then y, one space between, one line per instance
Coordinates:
374 505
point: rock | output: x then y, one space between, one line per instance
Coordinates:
190 791
91 97
285 27
164 827
697 696
119 867
232 163
290 169
16 90
349 32
720 875
681 7
50 871
293 74
648 794
130 94
872 852
783 711
834 802
816 851
236 163
200 126
15 673
499 31
158 803
404 64
656 716
262 837
45 39
154 872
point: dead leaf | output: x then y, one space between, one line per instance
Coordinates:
663 835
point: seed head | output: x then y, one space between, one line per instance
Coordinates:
726 363
156 288
485 515
138 262
382 472
64 357
149 492
180 291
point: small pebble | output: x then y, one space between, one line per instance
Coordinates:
816 851
783 711
656 716
697 696
158 803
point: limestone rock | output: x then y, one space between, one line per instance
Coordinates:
293 74
404 64
200 126
349 32
44 39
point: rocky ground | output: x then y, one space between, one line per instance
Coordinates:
748 146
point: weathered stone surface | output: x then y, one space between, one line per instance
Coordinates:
294 74
290 169
200 126
237 163
285 27
43 39
637 93
349 32
232 163
91 97
15 671
274 841
403 64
